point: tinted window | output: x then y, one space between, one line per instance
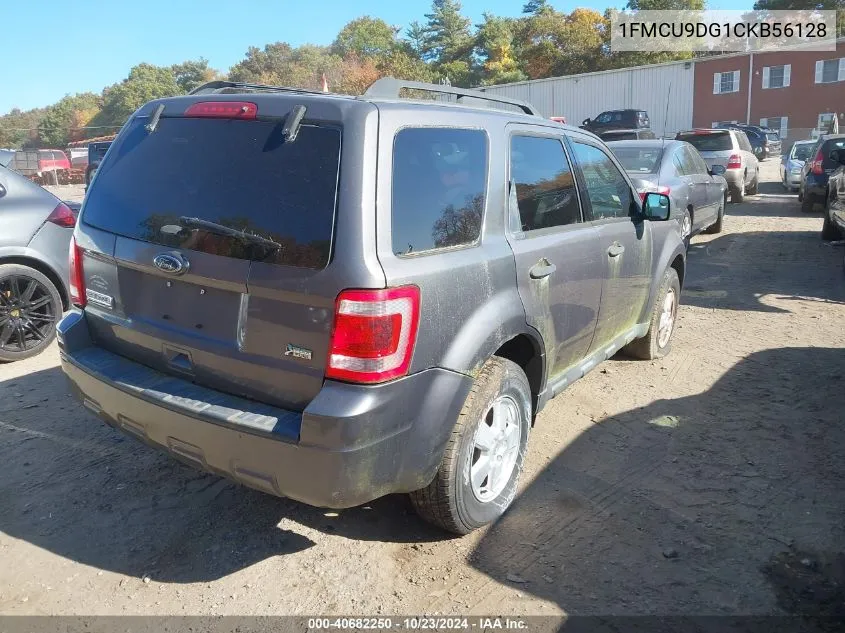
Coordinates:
638 159
604 117
608 191
802 151
678 162
827 148
708 141
239 174
545 187
439 177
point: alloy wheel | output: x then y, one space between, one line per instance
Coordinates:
27 313
495 448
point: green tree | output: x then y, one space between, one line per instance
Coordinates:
19 128
793 5
403 65
665 5
365 37
144 83
495 45
282 65
65 120
447 32
535 7
193 73
416 39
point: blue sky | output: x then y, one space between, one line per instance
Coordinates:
56 48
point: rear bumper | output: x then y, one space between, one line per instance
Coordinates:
733 176
352 444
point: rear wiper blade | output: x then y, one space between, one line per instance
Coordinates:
220 229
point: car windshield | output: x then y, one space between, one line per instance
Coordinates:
282 192
772 136
708 141
802 151
642 160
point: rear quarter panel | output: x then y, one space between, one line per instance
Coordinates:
23 209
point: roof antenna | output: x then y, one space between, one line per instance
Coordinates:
665 124
151 126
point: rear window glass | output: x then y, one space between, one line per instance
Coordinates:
829 146
161 186
772 136
439 177
802 152
639 159
709 142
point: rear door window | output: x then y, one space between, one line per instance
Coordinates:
161 187
744 144
439 188
709 141
607 189
542 184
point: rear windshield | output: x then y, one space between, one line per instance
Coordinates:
802 152
829 146
619 136
237 174
772 136
709 142
643 160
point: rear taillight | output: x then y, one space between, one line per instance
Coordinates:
817 166
660 189
374 334
223 110
735 161
77 280
63 216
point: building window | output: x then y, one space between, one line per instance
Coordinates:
725 82
828 123
776 76
829 71
778 123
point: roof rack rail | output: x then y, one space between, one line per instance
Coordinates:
389 88
217 87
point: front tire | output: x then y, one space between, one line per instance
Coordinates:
479 472
830 231
30 306
664 316
717 226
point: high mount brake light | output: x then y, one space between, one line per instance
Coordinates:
223 110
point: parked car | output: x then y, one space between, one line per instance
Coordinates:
730 149
243 311
676 169
833 227
29 162
765 142
816 171
96 152
78 157
617 120
35 232
792 162
626 135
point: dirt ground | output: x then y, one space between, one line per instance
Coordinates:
710 482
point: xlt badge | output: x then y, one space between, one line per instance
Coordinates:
298 352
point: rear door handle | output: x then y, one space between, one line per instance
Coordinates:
616 249
542 269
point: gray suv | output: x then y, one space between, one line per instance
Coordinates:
335 298
731 150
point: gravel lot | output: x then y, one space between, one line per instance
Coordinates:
708 482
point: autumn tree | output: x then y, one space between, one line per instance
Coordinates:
67 119
495 45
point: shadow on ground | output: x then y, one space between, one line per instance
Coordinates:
728 502
773 201
737 270
76 487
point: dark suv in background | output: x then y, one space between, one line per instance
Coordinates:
816 171
617 120
359 295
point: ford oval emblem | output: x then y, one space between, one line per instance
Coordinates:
171 263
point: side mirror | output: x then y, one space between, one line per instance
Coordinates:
656 206
586 121
717 170
2 191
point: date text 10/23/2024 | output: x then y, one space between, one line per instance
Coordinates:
418 623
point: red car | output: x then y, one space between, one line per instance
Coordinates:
38 161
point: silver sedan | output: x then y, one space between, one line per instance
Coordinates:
676 169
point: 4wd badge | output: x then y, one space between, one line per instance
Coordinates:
298 352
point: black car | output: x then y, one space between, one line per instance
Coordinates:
816 171
627 135
617 120
96 151
834 208
764 141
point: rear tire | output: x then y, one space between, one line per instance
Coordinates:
458 500
830 231
807 204
755 185
717 226
37 325
658 342
738 192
